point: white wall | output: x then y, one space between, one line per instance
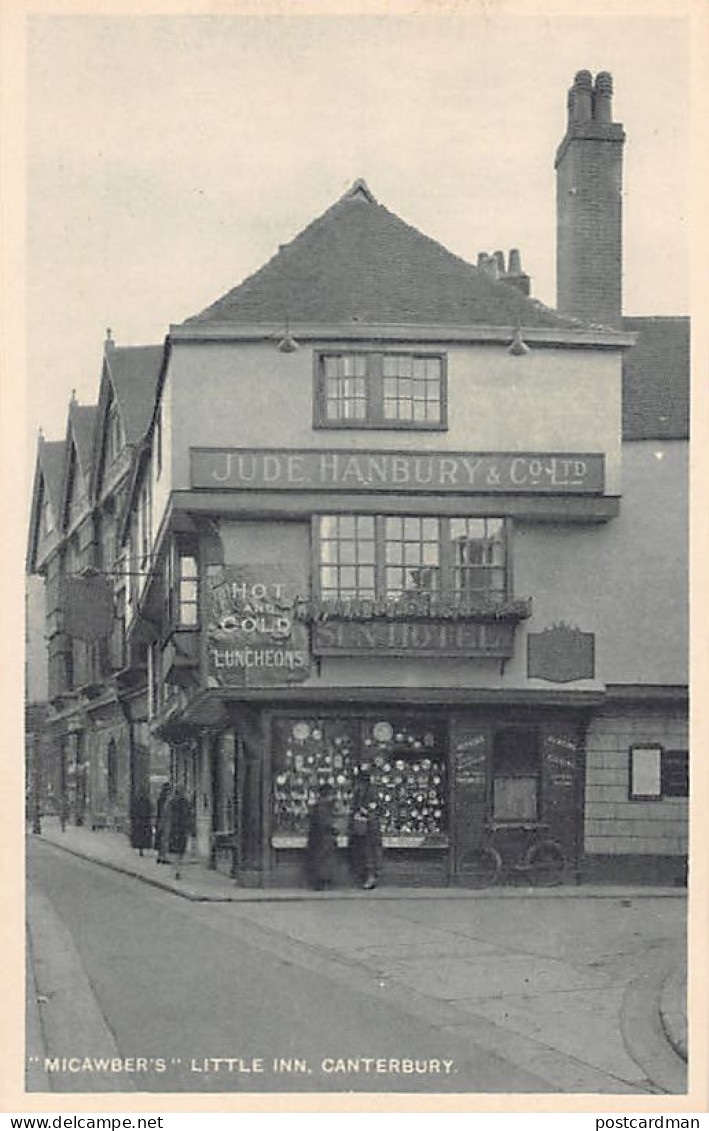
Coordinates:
250 395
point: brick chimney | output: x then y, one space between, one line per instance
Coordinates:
512 273
589 178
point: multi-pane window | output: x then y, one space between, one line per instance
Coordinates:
387 556
412 388
478 556
188 590
347 556
412 553
345 387
182 585
389 390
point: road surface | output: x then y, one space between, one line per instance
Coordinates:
142 991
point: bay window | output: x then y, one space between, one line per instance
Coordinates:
182 585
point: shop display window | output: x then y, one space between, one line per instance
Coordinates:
406 759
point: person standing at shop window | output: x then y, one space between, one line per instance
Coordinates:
322 841
365 838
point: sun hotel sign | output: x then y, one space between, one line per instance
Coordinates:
248 469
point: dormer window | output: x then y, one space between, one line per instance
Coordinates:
380 390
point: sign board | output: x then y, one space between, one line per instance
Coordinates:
469 758
88 607
561 654
253 638
423 637
262 469
562 771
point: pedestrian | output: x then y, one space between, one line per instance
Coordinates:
161 812
321 852
179 821
365 838
141 822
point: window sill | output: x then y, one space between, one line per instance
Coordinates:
380 426
284 840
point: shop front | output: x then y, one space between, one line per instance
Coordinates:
452 769
449 780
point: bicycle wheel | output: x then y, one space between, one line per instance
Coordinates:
545 863
480 867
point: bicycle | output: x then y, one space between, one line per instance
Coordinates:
512 851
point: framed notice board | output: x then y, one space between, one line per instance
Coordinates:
469 785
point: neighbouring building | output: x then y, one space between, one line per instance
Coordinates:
95 720
388 510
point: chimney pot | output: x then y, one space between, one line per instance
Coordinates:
500 262
602 97
515 267
582 93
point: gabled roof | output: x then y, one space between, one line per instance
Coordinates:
51 455
49 470
358 262
134 372
82 419
656 379
80 426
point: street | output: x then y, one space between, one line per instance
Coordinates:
138 989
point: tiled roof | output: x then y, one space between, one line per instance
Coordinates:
134 372
51 455
358 262
656 379
82 419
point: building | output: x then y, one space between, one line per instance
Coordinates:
380 507
391 510
40 794
94 715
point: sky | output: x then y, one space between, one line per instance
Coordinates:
168 157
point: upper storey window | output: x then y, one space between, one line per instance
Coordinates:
380 390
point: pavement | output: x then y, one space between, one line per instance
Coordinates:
614 1004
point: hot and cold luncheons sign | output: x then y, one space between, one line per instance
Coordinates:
258 469
254 639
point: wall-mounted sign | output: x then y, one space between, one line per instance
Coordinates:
423 638
259 469
561 654
253 638
88 607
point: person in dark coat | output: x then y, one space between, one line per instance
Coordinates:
179 821
161 812
141 822
365 838
321 852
